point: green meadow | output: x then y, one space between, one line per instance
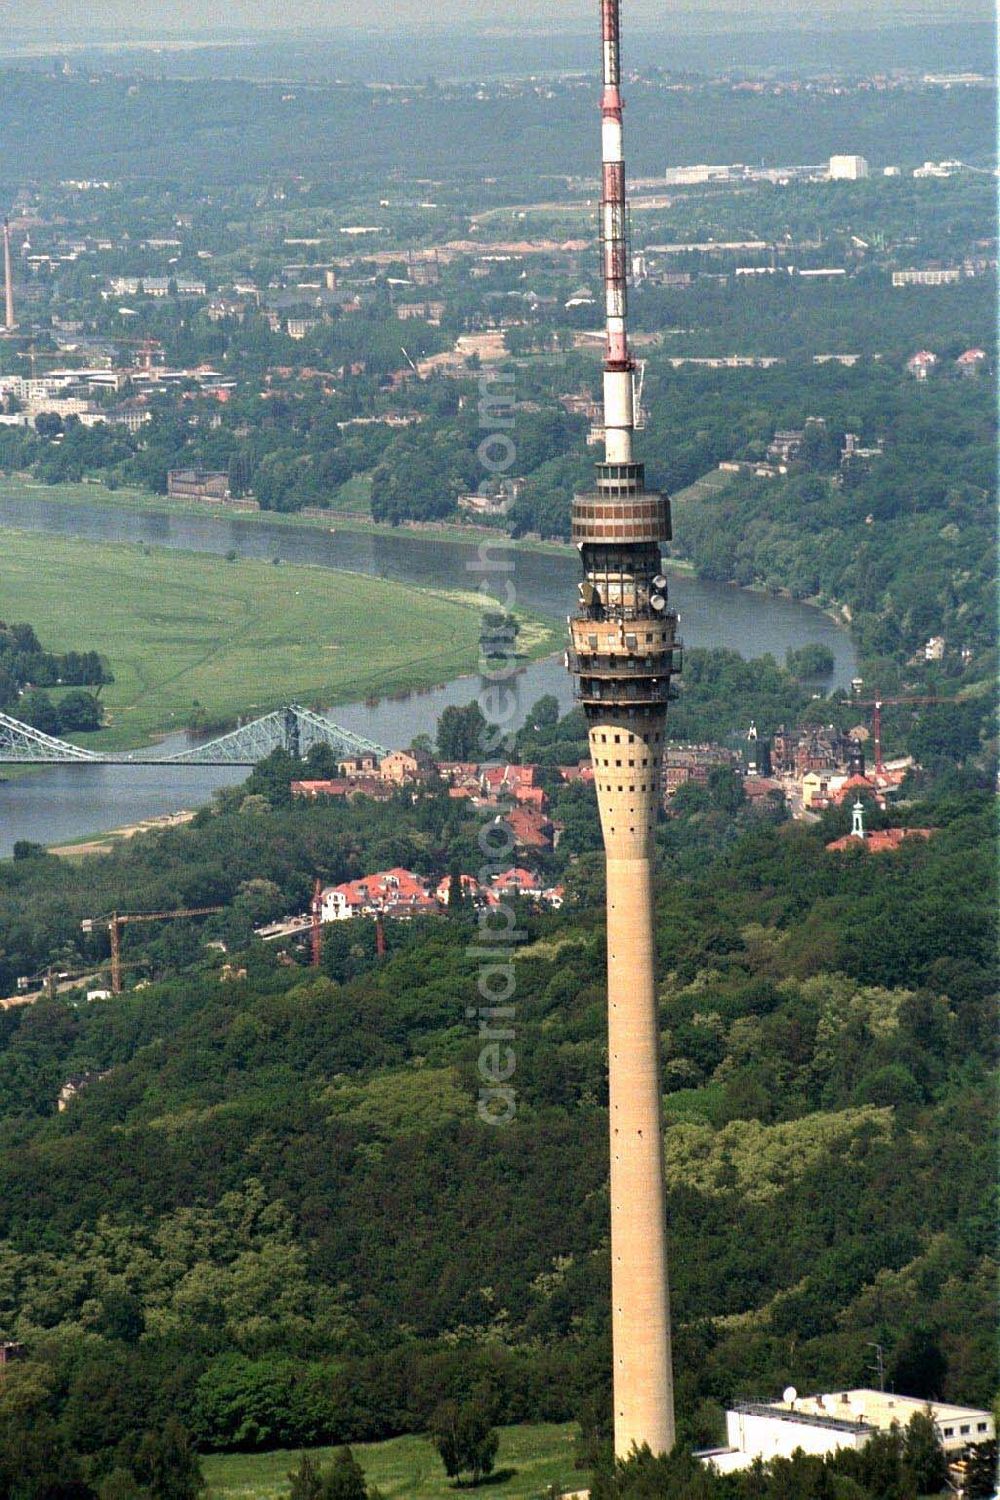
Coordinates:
184 630
529 1461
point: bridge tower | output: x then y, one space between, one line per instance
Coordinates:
293 743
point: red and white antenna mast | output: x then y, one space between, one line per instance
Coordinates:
619 413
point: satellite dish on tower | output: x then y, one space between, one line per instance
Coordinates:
658 603
659 582
790 1395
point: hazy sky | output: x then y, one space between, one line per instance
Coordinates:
571 14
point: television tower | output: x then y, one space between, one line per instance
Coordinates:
624 652
8 281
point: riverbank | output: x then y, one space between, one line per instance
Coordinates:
186 633
330 522
80 848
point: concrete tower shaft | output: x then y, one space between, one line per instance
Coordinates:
624 652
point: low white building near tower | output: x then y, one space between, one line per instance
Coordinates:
848 168
823 1425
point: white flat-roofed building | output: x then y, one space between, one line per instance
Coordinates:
934 276
765 1431
109 380
825 1424
938 169
702 172
958 1426
848 168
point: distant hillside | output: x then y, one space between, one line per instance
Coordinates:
232 131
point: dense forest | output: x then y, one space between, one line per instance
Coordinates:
249 1219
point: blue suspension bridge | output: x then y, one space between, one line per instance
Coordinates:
293 729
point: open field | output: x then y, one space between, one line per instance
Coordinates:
235 637
409 1466
714 480
354 496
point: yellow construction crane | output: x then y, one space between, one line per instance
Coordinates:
118 920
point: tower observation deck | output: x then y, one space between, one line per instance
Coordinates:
624 652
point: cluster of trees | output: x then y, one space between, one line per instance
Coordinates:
422 472
76 712
811 662
272 1259
343 1480
465 1439
795 319
37 1462
24 661
26 669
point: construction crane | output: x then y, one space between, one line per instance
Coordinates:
33 355
118 920
316 929
877 705
147 352
316 925
148 349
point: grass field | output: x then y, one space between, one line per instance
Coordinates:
715 479
235 637
354 496
531 1458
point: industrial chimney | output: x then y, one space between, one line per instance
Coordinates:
8 281
624 652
